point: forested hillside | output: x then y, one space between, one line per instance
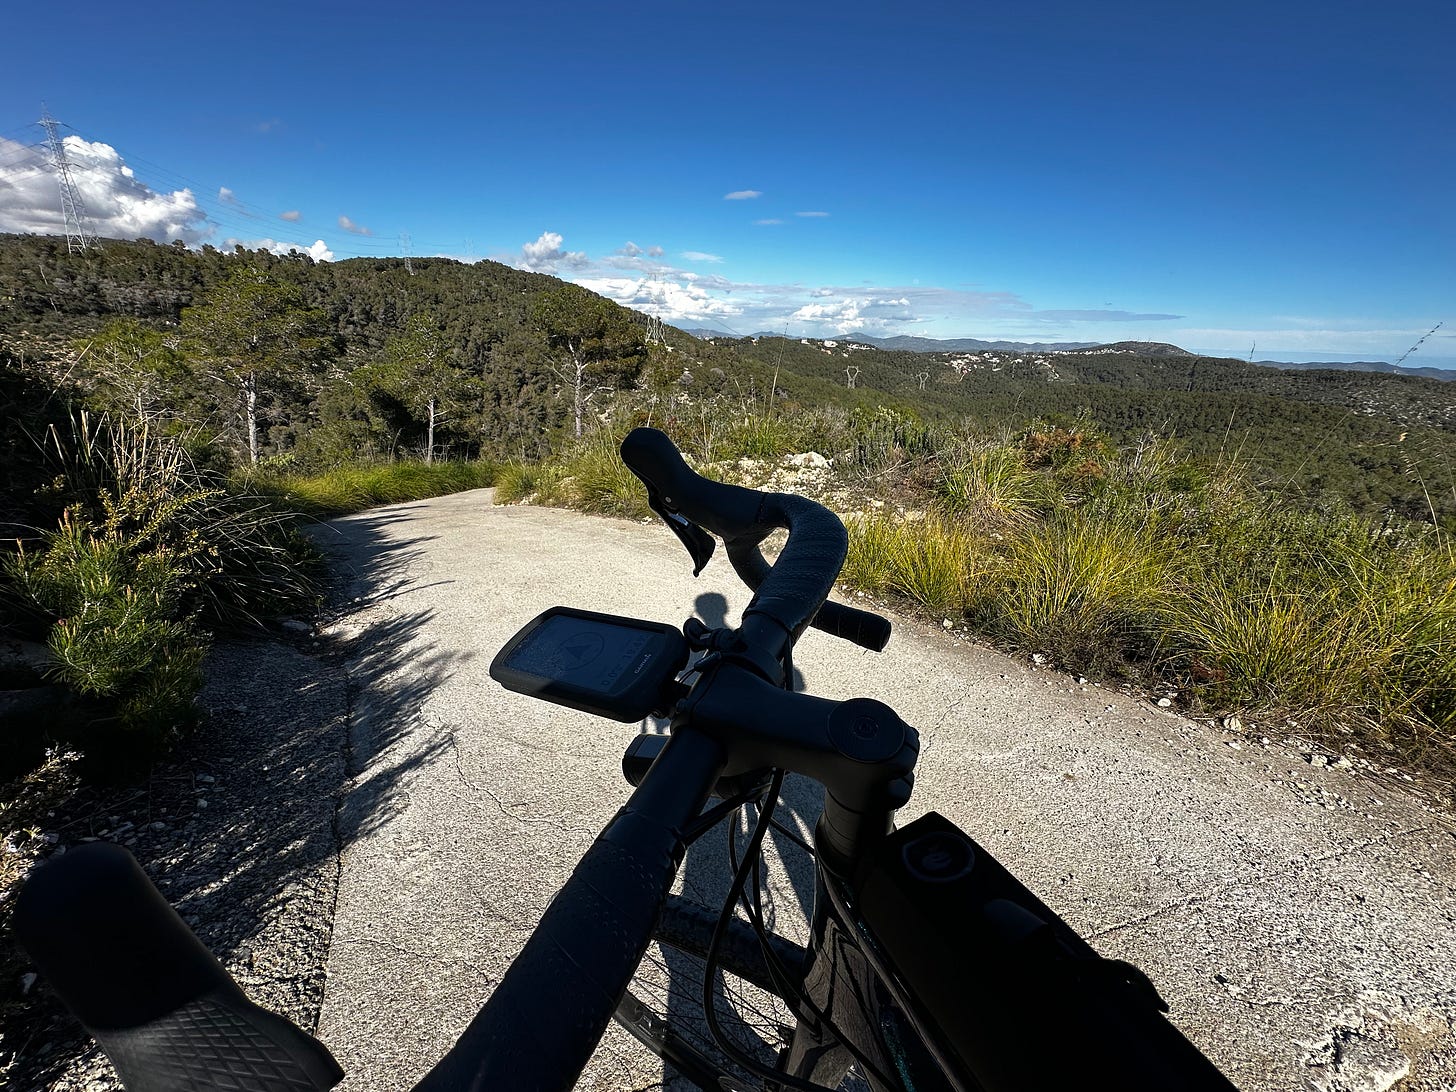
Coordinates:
368 358
1379 441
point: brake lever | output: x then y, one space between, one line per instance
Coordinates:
699 543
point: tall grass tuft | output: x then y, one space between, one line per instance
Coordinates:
590 476
992 486
1328 620
1081 587
934 564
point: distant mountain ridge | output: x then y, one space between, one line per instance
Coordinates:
909 344
1445 375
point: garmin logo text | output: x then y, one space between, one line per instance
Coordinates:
642 663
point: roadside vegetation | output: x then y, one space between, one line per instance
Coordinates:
1139 565
344 489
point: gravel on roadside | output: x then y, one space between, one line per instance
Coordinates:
238 830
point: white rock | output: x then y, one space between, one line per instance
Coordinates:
808 459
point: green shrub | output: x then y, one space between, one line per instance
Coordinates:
122 634
239 557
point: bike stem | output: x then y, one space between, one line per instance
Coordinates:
859 750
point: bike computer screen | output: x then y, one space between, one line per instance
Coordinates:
598 663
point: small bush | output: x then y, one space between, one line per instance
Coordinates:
238 556
122 634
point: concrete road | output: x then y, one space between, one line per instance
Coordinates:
1298 919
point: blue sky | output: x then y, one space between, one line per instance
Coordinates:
1220 175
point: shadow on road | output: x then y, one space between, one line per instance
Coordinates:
242 826
391 666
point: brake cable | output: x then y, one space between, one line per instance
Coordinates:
750 862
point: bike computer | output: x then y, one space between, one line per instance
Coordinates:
599 663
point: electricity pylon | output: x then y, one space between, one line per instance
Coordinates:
79 235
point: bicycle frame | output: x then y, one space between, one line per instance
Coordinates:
859 998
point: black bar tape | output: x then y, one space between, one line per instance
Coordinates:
793 592
138 979
545 1018
805 571
862 627
729 511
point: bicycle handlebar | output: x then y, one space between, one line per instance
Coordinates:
137 978
578 962
793 592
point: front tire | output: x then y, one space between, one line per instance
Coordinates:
663 1006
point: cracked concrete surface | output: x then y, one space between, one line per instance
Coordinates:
1298 920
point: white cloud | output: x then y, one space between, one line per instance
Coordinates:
291 215
856 314
767 223
226 195
742 195
545 255
318 251
812 215
655 252
691 297
669 300
353 228
699 256
118 205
